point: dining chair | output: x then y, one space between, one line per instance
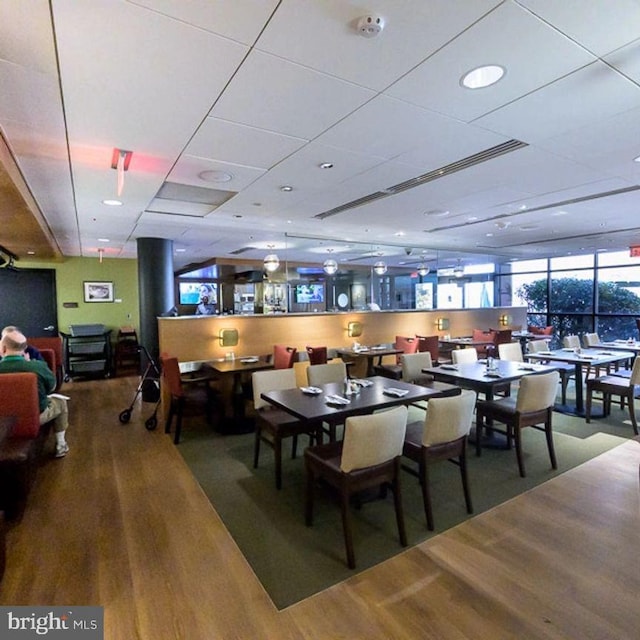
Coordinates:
532 407
442 436
480 335
187 397
412 365
368 457
510 351
500 336
565 369
469 354
319 374
273 425
626 388
573 342
283 356
591 340
405 344
430 344
317 355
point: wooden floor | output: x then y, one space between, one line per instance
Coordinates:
120 522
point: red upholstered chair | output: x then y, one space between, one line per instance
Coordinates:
18 452
430 344
479 335
317 355
283 356
196 396
54 343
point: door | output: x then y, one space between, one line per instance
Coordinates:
28 301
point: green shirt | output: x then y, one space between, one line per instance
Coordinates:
46 379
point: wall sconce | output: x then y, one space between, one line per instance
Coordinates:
505 320
354 329
442 324
228 337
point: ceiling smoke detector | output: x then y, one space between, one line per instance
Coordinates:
370 26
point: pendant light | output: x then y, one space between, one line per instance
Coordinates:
423 269
330 266
380 267
271 261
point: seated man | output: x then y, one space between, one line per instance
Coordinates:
31 353
13 348
205 308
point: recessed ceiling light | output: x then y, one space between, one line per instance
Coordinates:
103 239
523 207
636 159
215 175
112 203
31 253
180 250
489 235
481 77
439 213
286 188
559 213
472 218
326 165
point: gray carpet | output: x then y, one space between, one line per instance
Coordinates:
294 561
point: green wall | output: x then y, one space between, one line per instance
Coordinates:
70 275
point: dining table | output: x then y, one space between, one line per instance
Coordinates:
319 404
236 368
478 377
373 353
579 357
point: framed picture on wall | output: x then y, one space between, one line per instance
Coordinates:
98 291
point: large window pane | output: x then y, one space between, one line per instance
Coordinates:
572 262
615 258
619 290
530 290
571 291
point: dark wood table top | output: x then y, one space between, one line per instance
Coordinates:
368 351
315 408
222 365
476 374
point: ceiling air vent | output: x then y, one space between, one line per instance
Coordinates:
459 165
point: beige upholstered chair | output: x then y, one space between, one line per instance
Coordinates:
627 388
273 424
413 364
590 340
510 351
565 369
532 407
318 374
369 456
464 355
442 436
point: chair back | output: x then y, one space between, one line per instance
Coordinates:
537 392
502 336
373 439
571 342
590 340
271 380
510 351
19 393
283 356
481 335
414 363
430 344
533 346
318 374
448 418
317 355
464 355
49 356
407 344
634 378
171 375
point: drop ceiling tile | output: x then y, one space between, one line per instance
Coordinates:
239 144
323 35
532 52
273 94
599 25
188 170
577 100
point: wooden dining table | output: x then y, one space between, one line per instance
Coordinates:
370 353
235 368
593 357
317 408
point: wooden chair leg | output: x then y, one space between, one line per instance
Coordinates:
632 411
549 435
397 500
294 447
346 526
256 446
587 415
563 386
462 461
517 433
277 449
308 503
426 494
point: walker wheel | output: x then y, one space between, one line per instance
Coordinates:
125 416
151 423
